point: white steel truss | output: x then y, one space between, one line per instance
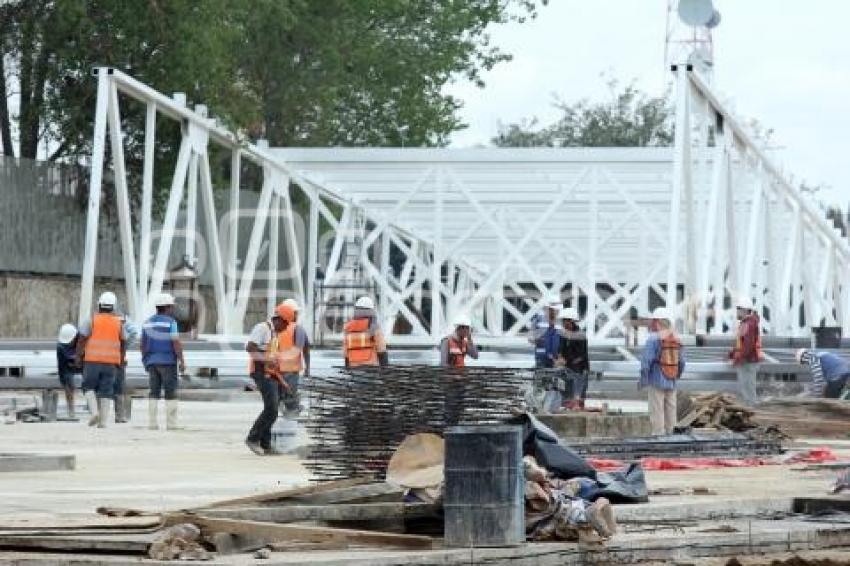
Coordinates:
488 232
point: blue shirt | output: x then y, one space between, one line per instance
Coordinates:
547 346
825 367
158 333
650 369
65 355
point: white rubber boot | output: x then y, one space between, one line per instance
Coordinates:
91 401
171 414
153 407
105 405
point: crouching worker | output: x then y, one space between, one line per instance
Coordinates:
162 352
830 373
363 342
102 345
67 364
661 365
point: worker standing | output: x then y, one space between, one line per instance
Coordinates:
661 365
363 341
545 335
162 353
574 355
102 346
67 366
456 346
830 373
746 354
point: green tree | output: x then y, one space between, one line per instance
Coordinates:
628 118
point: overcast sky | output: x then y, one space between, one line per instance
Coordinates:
785 63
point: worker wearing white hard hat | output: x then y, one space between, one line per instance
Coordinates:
574 357
455 347
661 365
102 347
162 356
363 341
746 354
544 335
67 364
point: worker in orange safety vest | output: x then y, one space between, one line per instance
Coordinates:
456 346
363 341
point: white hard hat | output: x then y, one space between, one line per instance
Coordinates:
568 313
292 303
164 300
461 320
798 355
744 303
553 301
67 333
365 303
107 299
661 313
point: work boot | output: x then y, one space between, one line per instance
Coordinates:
255 448
153 407
105 406
171 414
119 410
91 401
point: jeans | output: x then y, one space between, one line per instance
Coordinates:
163 377
577 384
835 387
289 397
270 391
99 378
747 383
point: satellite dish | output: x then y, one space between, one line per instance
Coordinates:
714 21
696 12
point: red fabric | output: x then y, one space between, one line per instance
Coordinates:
813 456
748 343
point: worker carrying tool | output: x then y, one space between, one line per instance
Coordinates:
456 346
67 364
278 350
162 356
102 347
661 365
574 357
545 335
830 373
363 342
746 355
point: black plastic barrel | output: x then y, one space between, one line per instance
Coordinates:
827 336
484 486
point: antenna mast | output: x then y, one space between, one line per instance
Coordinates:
688 38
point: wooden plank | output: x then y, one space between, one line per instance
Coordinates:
274 532
379 492
303 490
339 512
126 544
81 524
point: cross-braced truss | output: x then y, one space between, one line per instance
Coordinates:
491 233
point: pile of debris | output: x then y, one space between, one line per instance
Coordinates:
720 411
357 417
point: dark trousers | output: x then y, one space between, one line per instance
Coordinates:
269 390
99 378
120 380
834 388
163 377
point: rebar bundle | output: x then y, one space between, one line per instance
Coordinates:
358 416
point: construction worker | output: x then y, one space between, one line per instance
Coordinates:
162 355
363 342
119 395
746 354
290 399
67 366
574 356
456 346
545 335
830 373
102 346
661 365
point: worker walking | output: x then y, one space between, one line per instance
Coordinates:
363 341
574 355
545 335
456 346
290 398
661 365
67 365
830 373
746 354
162 355
102 346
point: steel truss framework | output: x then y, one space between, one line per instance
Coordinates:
490 233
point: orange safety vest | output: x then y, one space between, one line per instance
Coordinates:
457 352
104 344
284 352
359 345
671 352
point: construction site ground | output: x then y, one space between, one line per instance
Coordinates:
127 465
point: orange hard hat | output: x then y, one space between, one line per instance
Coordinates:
286 312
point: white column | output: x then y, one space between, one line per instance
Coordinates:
274 237
147 200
